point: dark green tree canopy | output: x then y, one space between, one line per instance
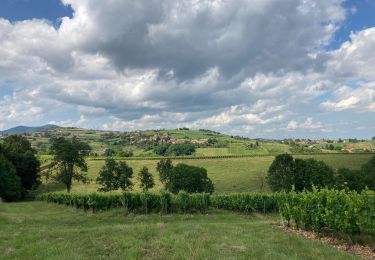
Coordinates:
281 173
108 176
114 176
69 155
191 179
17 149
125 174
165 167
351 179
10 183
368 170
286 173
146 179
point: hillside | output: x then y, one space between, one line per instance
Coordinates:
207 143
28 129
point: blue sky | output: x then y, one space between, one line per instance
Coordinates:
126 65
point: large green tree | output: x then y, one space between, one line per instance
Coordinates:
368 170
10 183
146 179
281 173
286 173
108 176
17 149
69 160
125 175
191 179
114 175
165 167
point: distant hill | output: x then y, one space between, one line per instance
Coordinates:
28 129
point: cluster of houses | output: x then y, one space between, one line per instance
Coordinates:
162 138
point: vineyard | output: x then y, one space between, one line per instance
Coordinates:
346 212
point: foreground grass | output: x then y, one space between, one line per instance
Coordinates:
39 230
228 174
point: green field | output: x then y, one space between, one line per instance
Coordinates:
228 174
39 230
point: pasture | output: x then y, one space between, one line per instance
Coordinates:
48 231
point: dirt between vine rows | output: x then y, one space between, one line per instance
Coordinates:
363 251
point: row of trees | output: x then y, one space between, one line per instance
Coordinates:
118 175
19 168
287 173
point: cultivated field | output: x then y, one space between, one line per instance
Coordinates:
228 174
45 231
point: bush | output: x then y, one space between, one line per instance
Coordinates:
191 179
10 183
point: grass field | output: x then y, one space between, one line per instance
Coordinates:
228 174
45 231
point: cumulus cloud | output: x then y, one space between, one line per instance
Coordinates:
230 65
360 98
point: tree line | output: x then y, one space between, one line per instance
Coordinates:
287 173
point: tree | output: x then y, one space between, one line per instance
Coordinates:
125 173
281 173
17 150
109 152
319 174
165 167
10 183
350 179
373 139
181 149
310 172
146 179
108 176
69 154
190 179
368 170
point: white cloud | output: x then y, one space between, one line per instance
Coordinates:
231 65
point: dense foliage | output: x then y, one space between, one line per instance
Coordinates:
281 173
191 179
69 154
286 172
146 179
246 202
10 183
175 149
165 167
347 212
17 150
114 175
342 211
145 202
368 171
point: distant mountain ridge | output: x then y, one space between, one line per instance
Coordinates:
28 129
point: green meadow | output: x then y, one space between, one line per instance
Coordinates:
228 174
37 230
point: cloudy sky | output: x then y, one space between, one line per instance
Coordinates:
258 68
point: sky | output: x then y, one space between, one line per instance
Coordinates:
256 68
